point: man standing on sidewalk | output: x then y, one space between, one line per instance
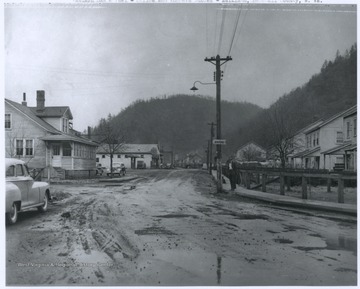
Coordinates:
232 174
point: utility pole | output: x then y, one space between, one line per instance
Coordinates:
210 145
218 61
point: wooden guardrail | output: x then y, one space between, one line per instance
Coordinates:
261 176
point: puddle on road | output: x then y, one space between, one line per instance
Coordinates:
342 243
333 243
203 267
154 231
177 216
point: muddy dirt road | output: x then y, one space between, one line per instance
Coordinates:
168 228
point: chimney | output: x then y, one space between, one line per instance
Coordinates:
40 100
89 132
24 99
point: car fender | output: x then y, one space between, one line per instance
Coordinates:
42 187
13 194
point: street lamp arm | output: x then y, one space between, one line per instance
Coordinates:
203 83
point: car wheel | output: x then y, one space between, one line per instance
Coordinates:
44 207
12 216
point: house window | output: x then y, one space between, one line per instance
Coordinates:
19 147
119 156
354 127
7 121
103 156
67 150
317 138
97 160
339 137
29 147
65 125
142 156
348 129
56 149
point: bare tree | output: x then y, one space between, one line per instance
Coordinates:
281 132
111 138
250 153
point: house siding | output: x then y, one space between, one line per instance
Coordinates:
328 134
22 128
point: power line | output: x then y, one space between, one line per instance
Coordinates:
221 29
216 23
235 28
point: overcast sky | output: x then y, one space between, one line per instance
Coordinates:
98 59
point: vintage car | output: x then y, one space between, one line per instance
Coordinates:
22 192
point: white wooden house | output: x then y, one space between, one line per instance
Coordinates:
324 142
42 137
135 156
345 152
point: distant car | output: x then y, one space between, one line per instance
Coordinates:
115 171
22 192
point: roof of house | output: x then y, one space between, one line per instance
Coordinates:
56 134
344 113
305 153
131 148
338 150
251 142
67 137
52 111
30 114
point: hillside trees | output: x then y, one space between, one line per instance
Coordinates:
333 90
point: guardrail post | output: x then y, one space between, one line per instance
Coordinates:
328 183
304 187
288 183
248 180
340 190
263 182
282 184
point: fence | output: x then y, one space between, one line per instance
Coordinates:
263 176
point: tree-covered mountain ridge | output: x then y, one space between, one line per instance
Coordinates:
179 123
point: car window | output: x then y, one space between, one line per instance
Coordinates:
10 172
19 170
26 169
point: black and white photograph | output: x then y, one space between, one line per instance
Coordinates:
154 143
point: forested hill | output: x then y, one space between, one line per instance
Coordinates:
179 122
332 90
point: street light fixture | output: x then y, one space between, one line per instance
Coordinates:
194 88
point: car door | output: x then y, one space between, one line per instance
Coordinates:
34 192
22 182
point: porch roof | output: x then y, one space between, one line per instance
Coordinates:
305 153
353 147
66 137
338 150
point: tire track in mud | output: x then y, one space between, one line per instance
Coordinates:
98 228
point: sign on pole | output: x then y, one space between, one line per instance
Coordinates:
219 141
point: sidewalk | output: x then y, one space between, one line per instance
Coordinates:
288 201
